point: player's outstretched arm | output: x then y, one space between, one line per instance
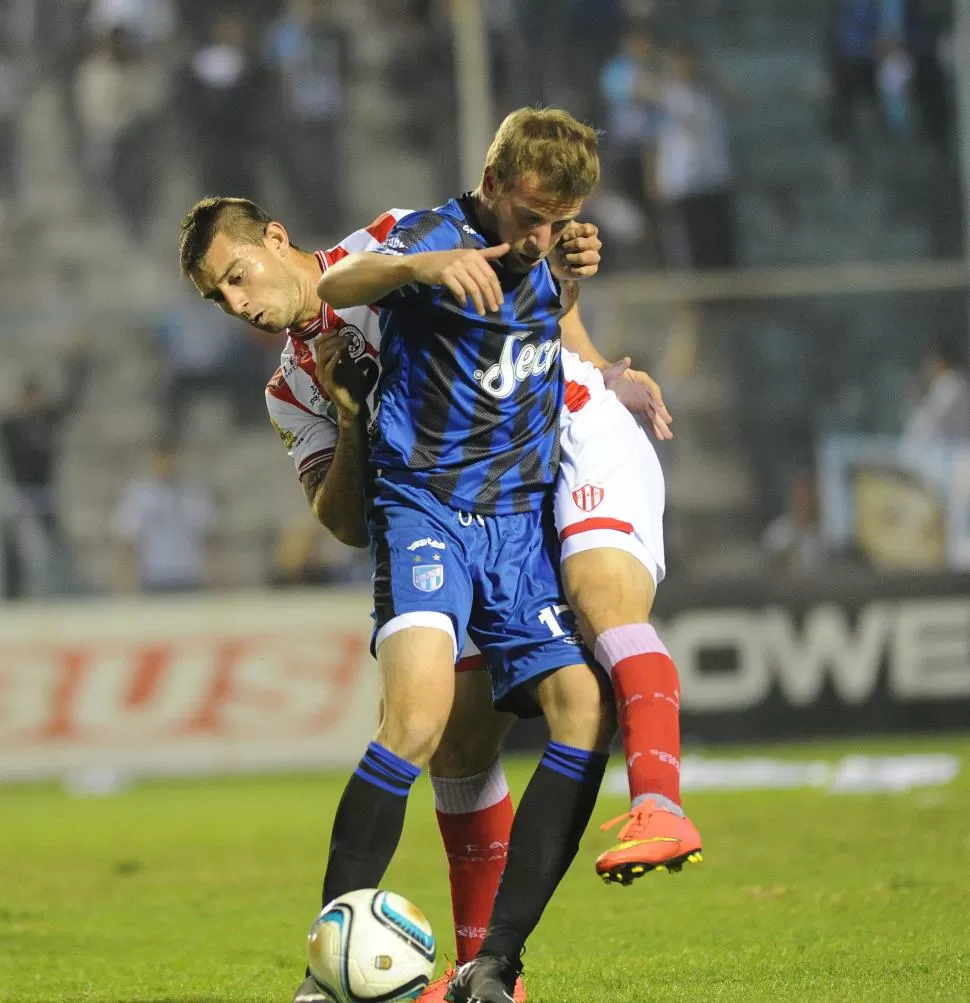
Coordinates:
369 276
364 277
636 390
573 331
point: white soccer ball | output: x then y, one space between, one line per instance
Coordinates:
370 946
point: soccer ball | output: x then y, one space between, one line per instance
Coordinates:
371 946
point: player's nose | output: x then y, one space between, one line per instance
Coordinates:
237 302
541 239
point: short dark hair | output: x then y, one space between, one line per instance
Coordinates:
238 218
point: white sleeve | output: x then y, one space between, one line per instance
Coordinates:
309 438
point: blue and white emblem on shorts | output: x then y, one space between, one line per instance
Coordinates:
428 577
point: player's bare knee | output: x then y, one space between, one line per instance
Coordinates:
417 679
465 755
579 708
412 736
599 722
590 727
475 732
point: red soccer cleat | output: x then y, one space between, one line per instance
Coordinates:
435 993
652 839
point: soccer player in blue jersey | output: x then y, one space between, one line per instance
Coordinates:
463 462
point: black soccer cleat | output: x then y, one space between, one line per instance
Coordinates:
310 992
486 979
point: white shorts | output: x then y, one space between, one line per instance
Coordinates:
610 491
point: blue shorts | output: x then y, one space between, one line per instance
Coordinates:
494 576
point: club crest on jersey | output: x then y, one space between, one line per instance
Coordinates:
500 380
588 496
356 344
428 577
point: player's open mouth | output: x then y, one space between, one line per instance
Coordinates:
258 320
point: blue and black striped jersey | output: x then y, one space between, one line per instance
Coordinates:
469 405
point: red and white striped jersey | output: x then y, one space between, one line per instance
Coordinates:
301 412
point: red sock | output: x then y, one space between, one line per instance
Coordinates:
475 819
648 707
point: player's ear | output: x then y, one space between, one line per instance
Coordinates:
490 184
277 238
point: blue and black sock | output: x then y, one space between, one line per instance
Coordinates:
548 826
369 822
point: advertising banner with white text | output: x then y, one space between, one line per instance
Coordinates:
774 659
782 659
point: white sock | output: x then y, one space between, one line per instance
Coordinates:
462 795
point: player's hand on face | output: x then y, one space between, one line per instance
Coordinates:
467 274
328 352
578 251
639 394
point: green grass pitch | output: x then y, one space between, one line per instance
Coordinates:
202 892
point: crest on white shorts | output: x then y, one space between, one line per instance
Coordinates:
588 496
428 577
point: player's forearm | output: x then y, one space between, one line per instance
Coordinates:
339 502
364 277
576 338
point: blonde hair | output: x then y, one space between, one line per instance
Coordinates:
548 143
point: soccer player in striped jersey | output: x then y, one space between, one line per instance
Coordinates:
238 253
464 456
241 259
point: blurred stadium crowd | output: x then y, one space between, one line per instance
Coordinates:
134 447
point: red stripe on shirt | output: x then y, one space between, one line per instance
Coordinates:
379 230
280 389
603 522
328 258
317 459
334 255
381 227
304 334
305 360
577 396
